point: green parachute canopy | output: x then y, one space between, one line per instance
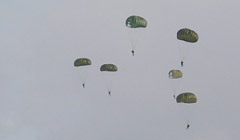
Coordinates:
187 35
82 62
108 67
175 74
186 97
136 22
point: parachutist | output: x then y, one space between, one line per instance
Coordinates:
181 63
133 52
109 92
188 126
174 97
83 85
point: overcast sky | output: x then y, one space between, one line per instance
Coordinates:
41 96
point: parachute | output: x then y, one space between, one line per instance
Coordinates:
187 98
136 22
175 74
108 67
108 71
136 27
83 64
187 103
187 35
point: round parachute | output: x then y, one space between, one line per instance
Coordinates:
186 97
136 22
108 72
187 103
82 62
108 67
175 74
136 27
187 35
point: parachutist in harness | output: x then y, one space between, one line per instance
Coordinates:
188 126
109 92
83 85
133 52
181 63
174 97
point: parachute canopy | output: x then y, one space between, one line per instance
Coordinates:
175 74
82 62
136 22
187 35
108 67
186 97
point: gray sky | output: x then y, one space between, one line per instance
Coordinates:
41 96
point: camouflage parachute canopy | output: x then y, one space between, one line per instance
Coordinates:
175 74
136 22
108 67
82 62
187 35
186 97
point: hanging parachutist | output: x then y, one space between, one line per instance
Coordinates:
133 52
174 97
109 92
188 126
181 63
83 85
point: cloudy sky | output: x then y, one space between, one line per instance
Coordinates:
41 96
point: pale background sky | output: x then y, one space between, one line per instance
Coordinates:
41 96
